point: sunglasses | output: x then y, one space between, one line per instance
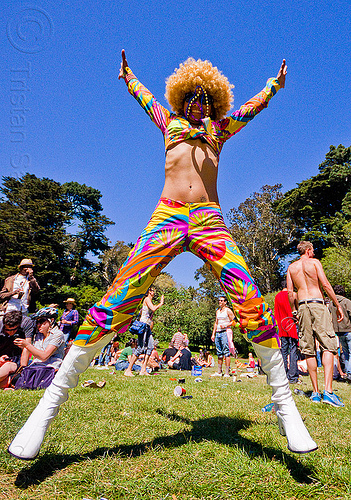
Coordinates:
40 321
201 97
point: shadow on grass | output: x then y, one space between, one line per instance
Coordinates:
221 430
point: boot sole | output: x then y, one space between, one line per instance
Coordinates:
282 433
21 458
302 452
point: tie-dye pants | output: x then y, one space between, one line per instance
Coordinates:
177 227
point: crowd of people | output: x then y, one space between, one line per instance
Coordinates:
176 356
32 346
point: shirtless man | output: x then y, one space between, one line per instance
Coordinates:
224 319
315 323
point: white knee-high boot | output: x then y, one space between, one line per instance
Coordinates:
26 444
289 419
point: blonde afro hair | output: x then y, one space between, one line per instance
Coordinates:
192 73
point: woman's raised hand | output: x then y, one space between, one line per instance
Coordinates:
282 74
124 65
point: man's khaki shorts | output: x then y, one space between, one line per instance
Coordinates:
315 323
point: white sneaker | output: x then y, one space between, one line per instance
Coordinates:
216 374
226 375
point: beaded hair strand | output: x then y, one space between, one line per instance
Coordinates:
201 93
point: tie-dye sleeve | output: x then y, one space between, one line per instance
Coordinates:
158 114
236 121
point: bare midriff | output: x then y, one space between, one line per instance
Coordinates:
191 173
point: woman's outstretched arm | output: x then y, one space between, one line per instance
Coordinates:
158 114
232 124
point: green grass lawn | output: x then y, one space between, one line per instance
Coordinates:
133 439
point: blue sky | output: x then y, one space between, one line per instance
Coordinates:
78 122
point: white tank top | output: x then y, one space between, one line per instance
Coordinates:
146 315
222 319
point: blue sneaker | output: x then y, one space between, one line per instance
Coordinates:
332 399
316 397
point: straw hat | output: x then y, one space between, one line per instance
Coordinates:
70 301
26 263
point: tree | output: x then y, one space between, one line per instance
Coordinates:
164 282
209 287
86 214
262 234
319 207
111 261
336 262
34 217
181 310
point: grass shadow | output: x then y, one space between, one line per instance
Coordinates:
220 429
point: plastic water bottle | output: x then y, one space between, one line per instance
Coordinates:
268 407
299 392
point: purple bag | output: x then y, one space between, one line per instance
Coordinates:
35 377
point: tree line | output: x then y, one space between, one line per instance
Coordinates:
60 225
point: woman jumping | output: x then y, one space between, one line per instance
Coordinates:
187 218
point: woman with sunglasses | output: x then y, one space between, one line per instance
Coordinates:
47 350
187 218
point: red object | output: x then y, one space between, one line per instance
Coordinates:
179 391
283 310
252 363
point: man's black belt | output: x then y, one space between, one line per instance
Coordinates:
311 301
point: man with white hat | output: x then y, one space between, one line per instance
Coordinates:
19 289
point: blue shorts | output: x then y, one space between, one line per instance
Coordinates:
221 343
145 342
123 365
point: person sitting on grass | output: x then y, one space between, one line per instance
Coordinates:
154 360
47 348
178 338
114 353
168 353
104 357
182 360
205 360
13 325
126 356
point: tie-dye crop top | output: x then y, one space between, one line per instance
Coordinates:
177 129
